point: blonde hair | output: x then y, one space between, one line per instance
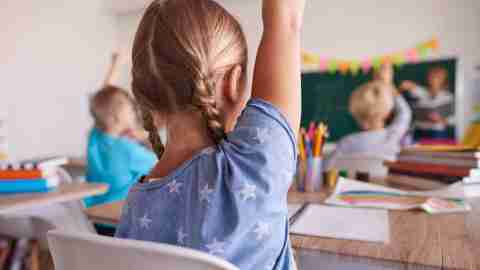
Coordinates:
106 103
372 102
181 49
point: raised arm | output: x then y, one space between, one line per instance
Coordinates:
112 72
277 76
402 118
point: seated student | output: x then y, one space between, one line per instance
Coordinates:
371 105
114 153
221 186
434 107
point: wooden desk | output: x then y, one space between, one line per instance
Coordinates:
64 193
447 241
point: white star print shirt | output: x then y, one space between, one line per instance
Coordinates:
229 200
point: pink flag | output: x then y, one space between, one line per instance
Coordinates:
366 65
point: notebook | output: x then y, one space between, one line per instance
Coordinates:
351 193
343 223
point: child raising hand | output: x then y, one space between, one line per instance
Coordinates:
221 183
114 153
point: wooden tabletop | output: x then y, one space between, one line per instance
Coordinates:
447 241
64 193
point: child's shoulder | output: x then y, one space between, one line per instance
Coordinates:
358 138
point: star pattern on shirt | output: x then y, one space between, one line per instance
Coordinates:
209 151
248 191
174 187
261 135
205 193
181 235
216 247
262 230
270 266
145 222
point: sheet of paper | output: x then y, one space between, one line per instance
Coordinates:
344 223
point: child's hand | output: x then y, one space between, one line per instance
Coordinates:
408 86
139 135
436 118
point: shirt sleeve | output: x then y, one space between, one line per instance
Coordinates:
402 119
141 159
419 93
262 147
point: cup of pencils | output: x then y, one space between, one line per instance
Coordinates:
311 143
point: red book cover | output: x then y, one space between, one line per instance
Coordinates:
21 174
425 168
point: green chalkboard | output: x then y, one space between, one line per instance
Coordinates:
325 96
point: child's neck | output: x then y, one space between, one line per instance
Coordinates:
187 136
113 131
375 126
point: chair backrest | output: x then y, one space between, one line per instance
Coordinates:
80 251
373 165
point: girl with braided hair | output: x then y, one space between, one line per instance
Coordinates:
221 182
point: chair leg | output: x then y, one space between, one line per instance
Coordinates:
34 262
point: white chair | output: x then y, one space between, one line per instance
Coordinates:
373 165
80 251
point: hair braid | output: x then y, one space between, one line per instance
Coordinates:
204 100
153 136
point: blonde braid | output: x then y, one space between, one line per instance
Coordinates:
153 136
204 100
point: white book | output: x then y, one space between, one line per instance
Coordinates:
471 180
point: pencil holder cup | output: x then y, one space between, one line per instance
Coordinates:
314 176
299 183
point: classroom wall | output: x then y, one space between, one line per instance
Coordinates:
358 29
52 55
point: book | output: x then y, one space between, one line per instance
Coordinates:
414 183
470 155
443 148
460 162
24 174
35 164
426 168
442 179
351 193
31 185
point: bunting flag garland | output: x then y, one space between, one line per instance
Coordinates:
312 62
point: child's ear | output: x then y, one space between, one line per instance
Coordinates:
232 86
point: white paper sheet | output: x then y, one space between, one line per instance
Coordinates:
344 223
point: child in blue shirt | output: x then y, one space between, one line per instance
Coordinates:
114 155
222 180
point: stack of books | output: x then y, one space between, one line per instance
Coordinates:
37 175
448 165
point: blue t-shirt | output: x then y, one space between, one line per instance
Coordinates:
228 200
118 162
